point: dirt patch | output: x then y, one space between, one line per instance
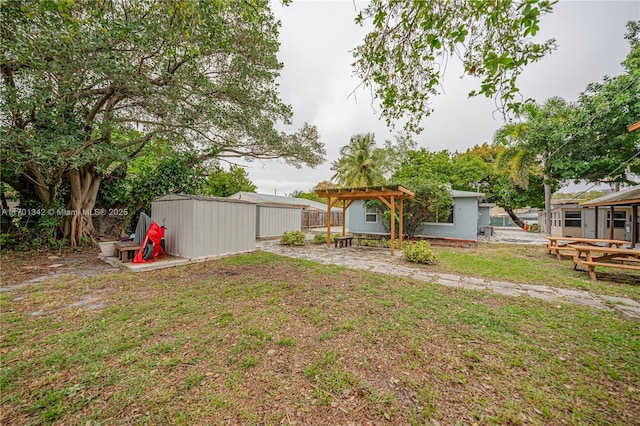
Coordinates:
20 269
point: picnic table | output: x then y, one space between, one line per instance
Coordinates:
610 257
558 244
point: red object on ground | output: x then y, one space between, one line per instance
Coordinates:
154 235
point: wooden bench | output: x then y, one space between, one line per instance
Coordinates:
343 241
126 250
563 244
619 258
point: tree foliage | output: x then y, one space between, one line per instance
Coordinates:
404 56
602 149
360 163
87 85
223 183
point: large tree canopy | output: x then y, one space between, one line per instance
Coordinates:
602 149
79 77
406 53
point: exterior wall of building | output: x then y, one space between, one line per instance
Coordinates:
272 221
484 216
198 227
356 219
464 226
575 221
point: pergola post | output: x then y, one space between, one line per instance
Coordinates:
329 221
401 225
344 218
393 224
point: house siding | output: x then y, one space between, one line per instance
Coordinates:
464 226
587 228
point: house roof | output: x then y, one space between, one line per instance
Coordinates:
626 197
466 194
279 200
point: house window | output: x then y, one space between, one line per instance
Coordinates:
619 218
371 215
573 219
433 218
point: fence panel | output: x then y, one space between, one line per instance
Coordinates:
318 219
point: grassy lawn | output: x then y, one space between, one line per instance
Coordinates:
522 263
263 339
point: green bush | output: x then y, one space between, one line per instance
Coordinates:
322 238
292 238
419 252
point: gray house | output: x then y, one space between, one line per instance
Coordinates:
205 227
468 217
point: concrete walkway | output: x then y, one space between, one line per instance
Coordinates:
379 260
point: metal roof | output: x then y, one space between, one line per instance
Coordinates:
626 197
279 200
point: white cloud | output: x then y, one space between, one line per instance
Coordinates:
317 80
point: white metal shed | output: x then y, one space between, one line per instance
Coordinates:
203 227
272 220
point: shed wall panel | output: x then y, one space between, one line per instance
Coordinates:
273 221
177 216
199 228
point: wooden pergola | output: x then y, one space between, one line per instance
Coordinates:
391 195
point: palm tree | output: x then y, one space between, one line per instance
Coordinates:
359 163
534 146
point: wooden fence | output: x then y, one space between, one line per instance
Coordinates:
318 219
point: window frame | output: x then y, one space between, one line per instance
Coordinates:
449 222
569 222
370 211
618 222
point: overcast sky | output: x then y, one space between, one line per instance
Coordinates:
317 80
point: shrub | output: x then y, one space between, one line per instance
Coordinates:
322 238
419 252
292 238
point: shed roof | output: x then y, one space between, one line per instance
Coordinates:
279 200
626 197
172 197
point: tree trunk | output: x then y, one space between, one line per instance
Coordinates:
547 204
514 218
78 222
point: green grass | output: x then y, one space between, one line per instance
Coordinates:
262 339
532 264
